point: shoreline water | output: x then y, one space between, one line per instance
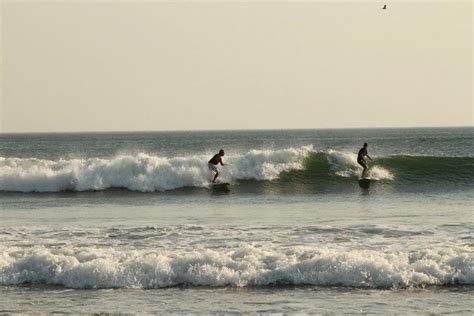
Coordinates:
239 300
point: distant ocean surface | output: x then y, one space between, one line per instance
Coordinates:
128 222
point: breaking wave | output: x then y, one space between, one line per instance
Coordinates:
245 266
147 173
141 172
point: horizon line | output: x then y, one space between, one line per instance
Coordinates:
235 130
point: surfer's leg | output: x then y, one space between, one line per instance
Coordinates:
215 177
364 165
213 168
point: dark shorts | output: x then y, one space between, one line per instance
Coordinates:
362 163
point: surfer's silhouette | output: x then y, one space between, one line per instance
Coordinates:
384 7
361 158
214 161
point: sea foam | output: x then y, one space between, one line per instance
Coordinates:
147 173
142 172
245 266
345 164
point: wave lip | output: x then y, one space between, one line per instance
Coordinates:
246 266
345 164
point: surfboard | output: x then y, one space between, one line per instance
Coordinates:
220 186
364 182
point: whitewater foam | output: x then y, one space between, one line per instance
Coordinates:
147 173
345 164
246 266
141 172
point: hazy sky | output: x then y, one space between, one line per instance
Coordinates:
108 66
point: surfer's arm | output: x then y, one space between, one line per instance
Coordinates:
367 155
221 162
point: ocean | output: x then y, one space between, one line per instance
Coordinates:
128 222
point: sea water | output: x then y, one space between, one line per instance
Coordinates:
127 222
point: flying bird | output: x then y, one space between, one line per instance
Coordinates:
384 7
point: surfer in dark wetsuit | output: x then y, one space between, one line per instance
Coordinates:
215 160
361 158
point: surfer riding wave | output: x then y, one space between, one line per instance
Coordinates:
214 161
361 158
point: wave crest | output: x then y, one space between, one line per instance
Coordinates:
246 266
345 165
141 172
303 165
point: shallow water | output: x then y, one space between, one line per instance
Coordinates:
227 300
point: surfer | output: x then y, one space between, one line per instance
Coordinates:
215 160
361 158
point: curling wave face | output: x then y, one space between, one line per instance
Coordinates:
147 173
246 266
